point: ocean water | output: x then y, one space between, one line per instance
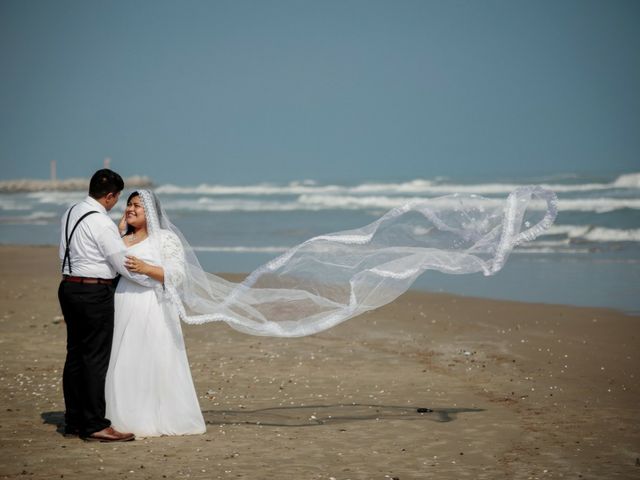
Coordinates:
590 257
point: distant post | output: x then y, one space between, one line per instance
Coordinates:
53 170
107 162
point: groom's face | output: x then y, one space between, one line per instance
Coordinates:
111 199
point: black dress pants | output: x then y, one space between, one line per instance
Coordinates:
88 312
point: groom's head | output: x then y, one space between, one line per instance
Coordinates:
105 186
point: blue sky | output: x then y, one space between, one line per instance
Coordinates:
248 91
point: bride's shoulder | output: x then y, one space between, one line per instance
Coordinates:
168 235
169 239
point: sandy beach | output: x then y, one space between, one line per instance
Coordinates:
517 391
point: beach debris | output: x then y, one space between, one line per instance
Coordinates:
57 319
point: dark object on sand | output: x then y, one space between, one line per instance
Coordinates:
424 410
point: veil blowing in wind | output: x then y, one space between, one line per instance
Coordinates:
331 278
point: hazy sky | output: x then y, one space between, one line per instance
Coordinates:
247 91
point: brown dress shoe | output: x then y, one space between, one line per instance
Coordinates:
109 435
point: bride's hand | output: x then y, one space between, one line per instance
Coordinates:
135 265
122 225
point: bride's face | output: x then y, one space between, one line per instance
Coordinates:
135 213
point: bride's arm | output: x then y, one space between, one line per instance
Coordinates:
173 259
114 250
173 264
135 265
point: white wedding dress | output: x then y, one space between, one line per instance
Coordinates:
149 390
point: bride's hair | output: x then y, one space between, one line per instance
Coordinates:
133 194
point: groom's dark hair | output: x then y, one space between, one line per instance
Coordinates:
105 181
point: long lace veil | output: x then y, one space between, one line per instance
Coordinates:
331 278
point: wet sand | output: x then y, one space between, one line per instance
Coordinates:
517 391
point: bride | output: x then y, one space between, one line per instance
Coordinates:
309 288
149 390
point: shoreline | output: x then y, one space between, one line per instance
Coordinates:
238 276
518 391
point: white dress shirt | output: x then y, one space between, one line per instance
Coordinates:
97 251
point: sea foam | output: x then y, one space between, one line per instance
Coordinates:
414 187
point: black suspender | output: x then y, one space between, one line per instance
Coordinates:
67 256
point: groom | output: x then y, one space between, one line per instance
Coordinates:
86 294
